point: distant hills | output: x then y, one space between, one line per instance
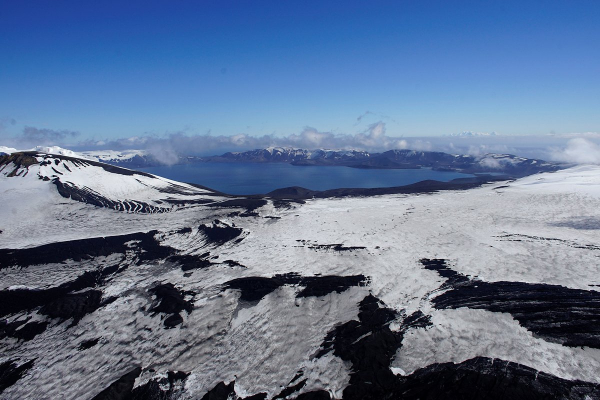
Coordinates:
394 159
500 164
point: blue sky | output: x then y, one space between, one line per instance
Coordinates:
113 70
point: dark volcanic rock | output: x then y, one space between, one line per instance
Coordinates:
162 388
439 265
173 320
369 345
121 388
189 262
88 344
11 372
339 247
170 301
221 392
142 244
290 389
555 313
254 288
75 305
21 329
30 330
219 232
485 378
258 396
13 301
19 160
316 395
323 285
250 204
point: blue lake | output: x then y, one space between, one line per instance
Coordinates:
255 178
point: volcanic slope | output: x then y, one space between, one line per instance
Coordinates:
491 292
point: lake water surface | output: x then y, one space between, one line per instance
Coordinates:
255 178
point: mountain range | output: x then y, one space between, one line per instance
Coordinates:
393 159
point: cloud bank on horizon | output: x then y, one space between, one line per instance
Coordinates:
572 148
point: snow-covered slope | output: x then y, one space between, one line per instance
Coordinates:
101 184
491 292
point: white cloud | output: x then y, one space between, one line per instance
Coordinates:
577 148
579 151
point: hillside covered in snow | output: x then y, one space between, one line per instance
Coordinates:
116 284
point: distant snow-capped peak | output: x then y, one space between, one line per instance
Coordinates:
45 149
58 151
472 134
7 150
113 155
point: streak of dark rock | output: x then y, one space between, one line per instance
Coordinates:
121 388
316 395
369 345
555 313
170 301
233 263
250 204
290 389
254 288
142 244
173 320
258 396
219 233
339 247
88 344
162 388
439 265
30 330
286 204
11 372
296 377
323 285
13 301
221 392
19 160
190 262
74 305
493 379
9 328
